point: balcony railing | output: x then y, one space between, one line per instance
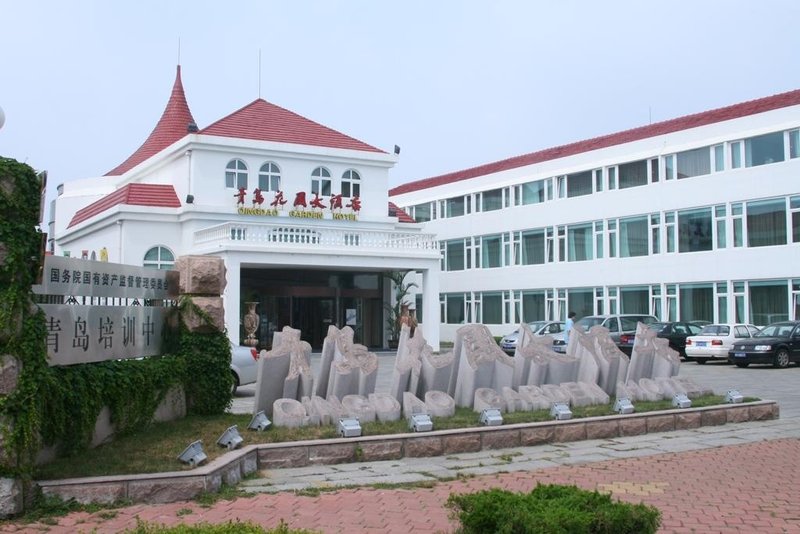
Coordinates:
324 237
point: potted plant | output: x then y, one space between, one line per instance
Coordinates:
394 310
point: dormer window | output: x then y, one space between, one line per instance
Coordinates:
351 184
236 174
321 181
269 177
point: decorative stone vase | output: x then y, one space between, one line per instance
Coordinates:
251 320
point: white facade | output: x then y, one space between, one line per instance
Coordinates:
206 219
692 219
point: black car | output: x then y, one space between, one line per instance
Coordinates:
676 333
777 344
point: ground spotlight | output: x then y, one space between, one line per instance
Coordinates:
491 417
259 422
230 438
734 397
420 422
623 406
680 400
560 411
349 428
193 454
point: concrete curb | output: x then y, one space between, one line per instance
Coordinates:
235 465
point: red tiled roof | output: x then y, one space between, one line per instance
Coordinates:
156 195
171 127
262 121
400 213
735 111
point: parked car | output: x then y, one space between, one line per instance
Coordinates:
777 343
539 328
244 365
621 328
676 333
715 340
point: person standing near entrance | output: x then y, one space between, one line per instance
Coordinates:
568 325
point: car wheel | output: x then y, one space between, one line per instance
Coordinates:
702 361
235 383
781 359
742 364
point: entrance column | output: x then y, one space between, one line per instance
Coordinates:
232 298
430 307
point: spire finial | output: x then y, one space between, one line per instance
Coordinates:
259 73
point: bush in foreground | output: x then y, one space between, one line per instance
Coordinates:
551 509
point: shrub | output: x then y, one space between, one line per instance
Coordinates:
551 509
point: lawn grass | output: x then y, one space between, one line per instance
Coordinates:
157 448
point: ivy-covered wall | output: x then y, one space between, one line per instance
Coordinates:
42 405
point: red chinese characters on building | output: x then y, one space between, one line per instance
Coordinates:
278 200
258 198
240 196
355 204
316 202
300 199
336 201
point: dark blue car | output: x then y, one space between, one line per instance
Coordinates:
777 344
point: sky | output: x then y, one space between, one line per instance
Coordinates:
454 83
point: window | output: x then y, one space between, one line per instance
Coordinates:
669 167
598 180
422 212
632 174
766 223
669 227
269 177
321 181
491 251
598 239
236 174
160 258
794 207
454 252
579 184
736 155
492 200
633 237
491 308
694 230
612 178
533 192
794 144
719 158
769 301
655 233
533 306
737 214
351 184
697 302
635 299
533 250
454 207
719 222
454 306
763 149
695 162
580 238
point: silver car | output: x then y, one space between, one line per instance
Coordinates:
244 365
539 328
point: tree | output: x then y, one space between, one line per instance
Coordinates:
394 309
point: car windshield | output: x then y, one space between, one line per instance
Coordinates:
715 330
588 322
776 330
658 327
536 325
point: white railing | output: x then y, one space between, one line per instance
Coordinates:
320 236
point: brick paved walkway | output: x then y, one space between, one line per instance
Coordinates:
743 488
